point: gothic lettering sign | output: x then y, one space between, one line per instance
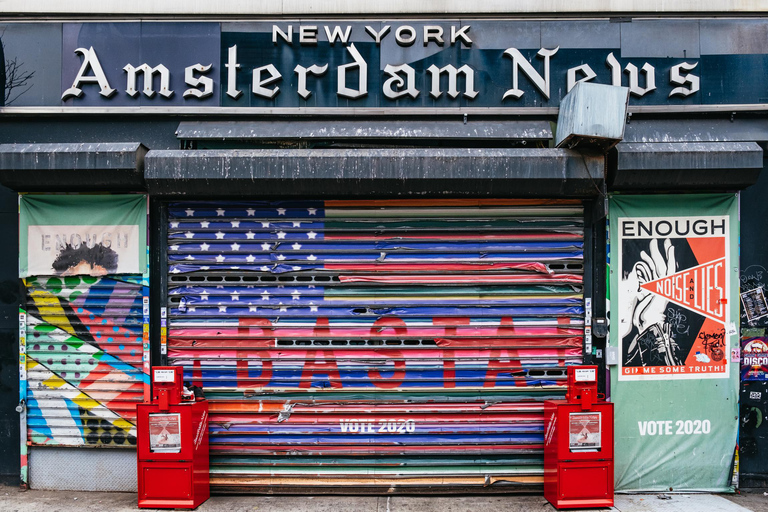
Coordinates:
494 64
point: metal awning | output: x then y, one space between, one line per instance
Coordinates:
444 129
686 166
696 129
511 172
73 167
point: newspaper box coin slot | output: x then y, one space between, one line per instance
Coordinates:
172 444
578 444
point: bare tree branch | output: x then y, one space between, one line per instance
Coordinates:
14 81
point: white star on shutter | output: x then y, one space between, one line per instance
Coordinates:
311 235
220 259
311 257
252 309
191 309
250 258
220 212
204 295
189 234
235 295
249 235
265 268
205 268
283 309
313 309
189 257
281 234
265 246
204 246
219 235
280 257
222 309
175 224
312 211
174 247
205 224
190 212
296 223
281 211
251 212
264 224
175 270
235 246
295 294
265 295
296 246
235 223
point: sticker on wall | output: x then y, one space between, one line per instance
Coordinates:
82 235
754 360
673 297
755 305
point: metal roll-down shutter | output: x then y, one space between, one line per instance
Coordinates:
84 366
376 345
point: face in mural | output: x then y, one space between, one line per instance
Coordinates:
648 337
83 260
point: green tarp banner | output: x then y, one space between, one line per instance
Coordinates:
674 306
82 235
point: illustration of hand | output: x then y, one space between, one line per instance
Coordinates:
649 308
653 344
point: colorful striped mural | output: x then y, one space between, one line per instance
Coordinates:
84 359
376 343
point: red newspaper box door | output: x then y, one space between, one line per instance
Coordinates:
578 445
172 445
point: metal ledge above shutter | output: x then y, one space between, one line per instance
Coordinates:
374 172
73 167
281 129
686 166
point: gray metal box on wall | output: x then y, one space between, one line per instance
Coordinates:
592 116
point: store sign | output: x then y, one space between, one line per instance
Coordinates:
386 64
397 79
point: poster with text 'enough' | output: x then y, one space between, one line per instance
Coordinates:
673 297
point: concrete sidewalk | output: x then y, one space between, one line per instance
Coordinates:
14 500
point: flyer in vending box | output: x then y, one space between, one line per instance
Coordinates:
584 431
165 433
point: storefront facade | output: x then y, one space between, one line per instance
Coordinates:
358 237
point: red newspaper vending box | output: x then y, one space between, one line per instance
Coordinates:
578 445
172 438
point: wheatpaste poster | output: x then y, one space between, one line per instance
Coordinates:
92 235
674 296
